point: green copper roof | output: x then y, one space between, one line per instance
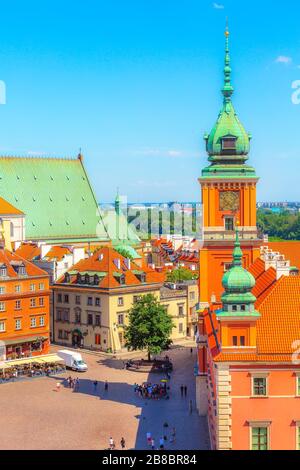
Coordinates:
238 284
56 196
228 143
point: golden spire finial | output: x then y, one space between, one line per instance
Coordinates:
227 33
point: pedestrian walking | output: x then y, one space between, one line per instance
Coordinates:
161 443
122 442
185 390
173 435
181 390
106 386
111 443
191 407
152 444
76 385
58 387
149 438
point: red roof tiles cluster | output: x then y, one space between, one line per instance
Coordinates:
11 261
109 265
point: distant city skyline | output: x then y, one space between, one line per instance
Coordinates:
136 84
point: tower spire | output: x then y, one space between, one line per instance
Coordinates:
227 89
237 252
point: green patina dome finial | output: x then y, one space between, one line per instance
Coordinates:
227 88
237 252
238 300
228 142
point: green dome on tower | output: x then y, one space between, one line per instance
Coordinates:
238 283
228 141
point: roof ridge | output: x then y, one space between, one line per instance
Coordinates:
275 285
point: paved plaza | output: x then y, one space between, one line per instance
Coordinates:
36 416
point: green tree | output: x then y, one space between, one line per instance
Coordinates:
181 274
150 326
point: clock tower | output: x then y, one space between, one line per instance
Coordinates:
228 188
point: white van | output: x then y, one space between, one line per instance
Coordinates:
73 360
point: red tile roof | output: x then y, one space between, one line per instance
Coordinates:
57 253
109 265
9 259
28 251
278 328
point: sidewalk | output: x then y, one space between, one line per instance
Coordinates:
185 343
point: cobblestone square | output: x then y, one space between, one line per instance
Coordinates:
36 416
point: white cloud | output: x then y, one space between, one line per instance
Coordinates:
283 59
218 6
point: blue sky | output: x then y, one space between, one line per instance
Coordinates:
136 84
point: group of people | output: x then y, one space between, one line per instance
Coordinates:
163 439
73 383
22 371
149 390
112 444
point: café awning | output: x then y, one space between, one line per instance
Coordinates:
29 339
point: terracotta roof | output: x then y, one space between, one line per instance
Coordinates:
9 259
8 209
291 251
57 253
28 251
277 329
257 268
109 265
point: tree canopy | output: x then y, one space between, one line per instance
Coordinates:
181 274
283 225
149 327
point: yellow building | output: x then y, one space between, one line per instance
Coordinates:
91 301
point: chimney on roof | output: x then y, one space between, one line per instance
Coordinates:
78 254
44 250
277 261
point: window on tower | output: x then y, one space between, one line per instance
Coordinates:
229 224
229 143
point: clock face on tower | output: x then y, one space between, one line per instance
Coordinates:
229 201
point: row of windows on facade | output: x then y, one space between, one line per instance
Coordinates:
65 298
92 320
18 304
18 288
35 322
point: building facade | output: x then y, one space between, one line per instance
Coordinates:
249 367
92 301
24 308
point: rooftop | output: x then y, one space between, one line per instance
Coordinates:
56 196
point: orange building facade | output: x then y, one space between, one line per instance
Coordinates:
24 308
248 382
228 193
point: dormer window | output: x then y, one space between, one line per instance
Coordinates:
122 279
87 279
96 279
67 277
3 271
229 143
